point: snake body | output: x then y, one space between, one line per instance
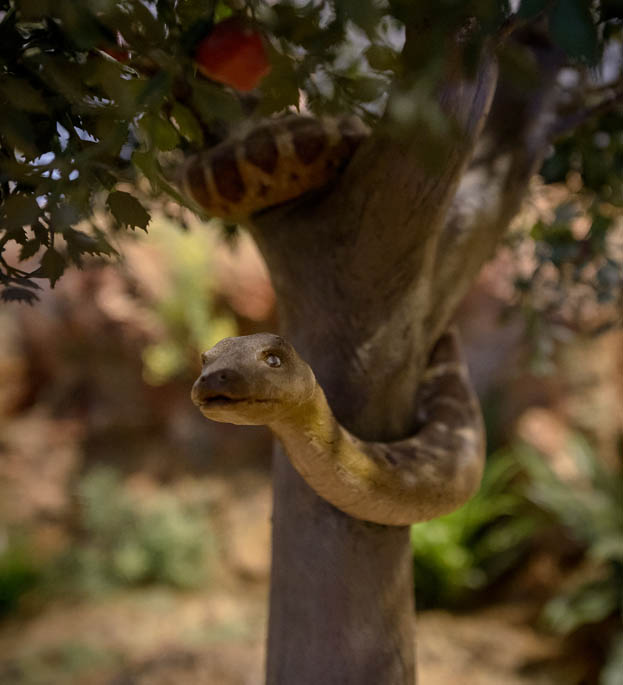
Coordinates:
430 473
260 379
274 162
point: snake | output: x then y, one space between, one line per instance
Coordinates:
260 379
272 162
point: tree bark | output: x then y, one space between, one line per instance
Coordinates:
364 288
341 608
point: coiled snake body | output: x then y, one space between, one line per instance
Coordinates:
260 379
276 161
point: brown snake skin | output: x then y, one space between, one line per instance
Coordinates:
428 474
276 161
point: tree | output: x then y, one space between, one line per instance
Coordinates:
466 101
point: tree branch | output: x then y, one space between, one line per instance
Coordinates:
510 151
512 24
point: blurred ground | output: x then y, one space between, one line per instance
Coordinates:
74 396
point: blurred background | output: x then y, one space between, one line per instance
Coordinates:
135 534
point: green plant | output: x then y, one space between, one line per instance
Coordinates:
65 662
459 553
590 509
131 540
18 572
611 673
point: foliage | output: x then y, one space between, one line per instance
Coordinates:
67 662
576 279
590 512
578 248
468 549
19 573
133 541
521 499
611 674
96 94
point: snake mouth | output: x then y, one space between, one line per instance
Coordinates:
221 400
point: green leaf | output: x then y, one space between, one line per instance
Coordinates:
18 235
79 24
589 603
187 124
18 295
195 11
381 57
148 165
161 133
79 243
18 131
572 28
67 78
213 102
127 210
52 265
108 77
365 88
363 13
155 90
34 9
41 233
29 249
63 215
280 88
20 210
23 96
529 8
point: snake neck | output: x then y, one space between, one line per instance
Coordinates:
415 479
310 422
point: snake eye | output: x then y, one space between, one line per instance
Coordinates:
273 360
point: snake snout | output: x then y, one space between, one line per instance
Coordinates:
226 384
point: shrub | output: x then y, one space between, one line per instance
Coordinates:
590 510
466 550
18 572
130 540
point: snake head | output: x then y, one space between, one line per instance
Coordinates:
252 380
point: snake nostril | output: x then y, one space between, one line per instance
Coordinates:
216 377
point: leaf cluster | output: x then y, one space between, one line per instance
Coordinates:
577 279
96 96
591 515
132 540
89 99
456 555
522 500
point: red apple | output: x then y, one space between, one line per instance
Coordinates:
234 54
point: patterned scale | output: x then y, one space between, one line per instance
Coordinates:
274 162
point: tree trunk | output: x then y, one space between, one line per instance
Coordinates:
341 600
363 290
